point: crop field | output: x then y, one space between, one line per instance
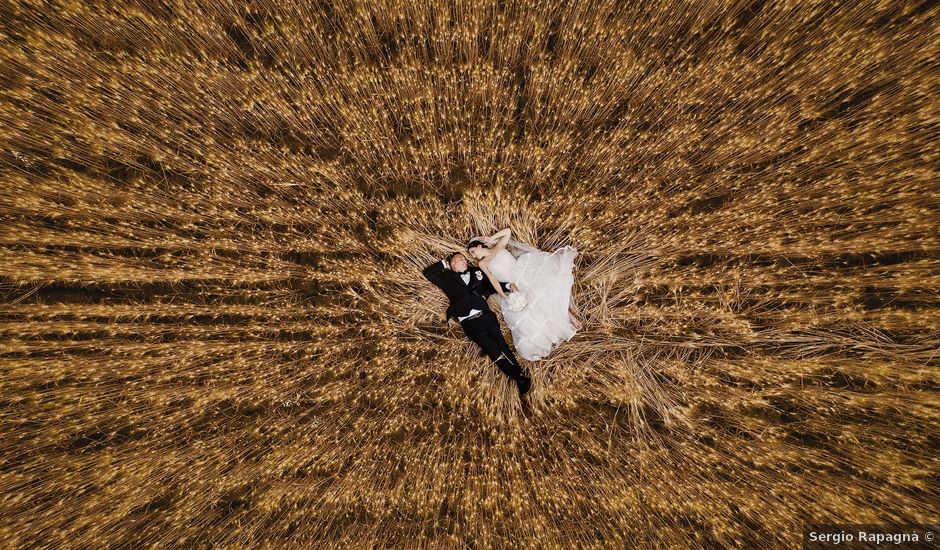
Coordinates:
214 331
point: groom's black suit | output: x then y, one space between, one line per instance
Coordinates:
484 329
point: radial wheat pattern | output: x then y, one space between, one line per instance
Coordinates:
215 331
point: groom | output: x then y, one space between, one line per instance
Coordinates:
467 289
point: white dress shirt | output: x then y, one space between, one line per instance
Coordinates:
466 279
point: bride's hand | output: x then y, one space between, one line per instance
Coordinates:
495 237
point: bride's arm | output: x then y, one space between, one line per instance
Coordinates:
501 237
496 284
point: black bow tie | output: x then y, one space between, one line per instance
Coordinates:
462 272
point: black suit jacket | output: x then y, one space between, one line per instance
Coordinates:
463 297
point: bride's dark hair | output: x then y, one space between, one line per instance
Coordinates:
476 242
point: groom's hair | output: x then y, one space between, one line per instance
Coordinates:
452 254
476 242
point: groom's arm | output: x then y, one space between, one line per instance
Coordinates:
508 287
435 272
490 289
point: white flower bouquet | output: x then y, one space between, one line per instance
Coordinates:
516 301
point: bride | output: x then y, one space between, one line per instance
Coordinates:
544 277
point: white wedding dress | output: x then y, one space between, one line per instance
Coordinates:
546 279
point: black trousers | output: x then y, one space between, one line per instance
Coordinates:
485 331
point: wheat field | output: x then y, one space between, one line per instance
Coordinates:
215 332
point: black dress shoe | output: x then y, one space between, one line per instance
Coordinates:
524 385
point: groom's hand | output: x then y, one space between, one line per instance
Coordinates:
513 287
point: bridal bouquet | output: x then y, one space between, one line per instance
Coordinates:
516 301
